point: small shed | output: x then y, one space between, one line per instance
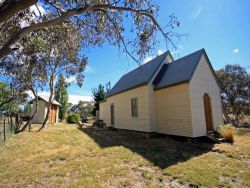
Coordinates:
42 110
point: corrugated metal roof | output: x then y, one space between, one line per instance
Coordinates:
46 99
180 70
139 76
177 72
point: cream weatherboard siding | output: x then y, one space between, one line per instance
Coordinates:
204 82
173 111
105 112
152 108
122 106
41 111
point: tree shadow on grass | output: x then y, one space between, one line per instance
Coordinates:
243 131
162 151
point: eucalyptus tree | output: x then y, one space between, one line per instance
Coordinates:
26 71
235 89
11 92
46 43
61 57
98 20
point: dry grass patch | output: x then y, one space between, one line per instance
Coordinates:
228 132
63 155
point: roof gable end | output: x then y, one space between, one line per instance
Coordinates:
179 71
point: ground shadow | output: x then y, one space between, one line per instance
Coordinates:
243 131
162 151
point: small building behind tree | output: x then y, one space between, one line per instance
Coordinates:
42 110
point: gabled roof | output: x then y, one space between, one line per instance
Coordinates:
177 72
46 99
180 71
139 76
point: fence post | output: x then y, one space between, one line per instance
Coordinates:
4 131
29 125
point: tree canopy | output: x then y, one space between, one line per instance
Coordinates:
234 81
98 21
61 95
99 94
37 46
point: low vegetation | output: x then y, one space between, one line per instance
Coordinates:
73 118
228 132
64 155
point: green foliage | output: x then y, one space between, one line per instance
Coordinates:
228 132
83 108
8 102
98 95
73 118
61 95
27 108
97 27
234 81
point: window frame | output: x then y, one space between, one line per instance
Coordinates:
134 107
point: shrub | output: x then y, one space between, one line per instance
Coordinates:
228 131
73 118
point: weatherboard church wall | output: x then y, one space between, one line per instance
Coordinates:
122 105
203 82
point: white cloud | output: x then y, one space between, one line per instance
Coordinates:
196 12
236 50
159 52
71 79
37 11
177 50
74 99
34 8
89 69
149 58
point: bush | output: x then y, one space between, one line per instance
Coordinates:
73 118
228 131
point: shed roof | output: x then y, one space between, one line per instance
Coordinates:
46 99
139 76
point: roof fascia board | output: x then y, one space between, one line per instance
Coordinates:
175 84
150 82
144 83
210 66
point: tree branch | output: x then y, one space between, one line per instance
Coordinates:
5 50
121 38
11 7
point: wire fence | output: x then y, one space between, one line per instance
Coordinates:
6 128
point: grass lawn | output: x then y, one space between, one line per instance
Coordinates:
63 155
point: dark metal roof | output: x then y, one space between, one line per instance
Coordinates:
139 76
177 72
180 71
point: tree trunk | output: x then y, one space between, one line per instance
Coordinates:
29 121
45 123
7 101
227 118
51 84
11 7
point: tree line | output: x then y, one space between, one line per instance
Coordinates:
234 81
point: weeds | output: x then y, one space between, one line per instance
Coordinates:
228 132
